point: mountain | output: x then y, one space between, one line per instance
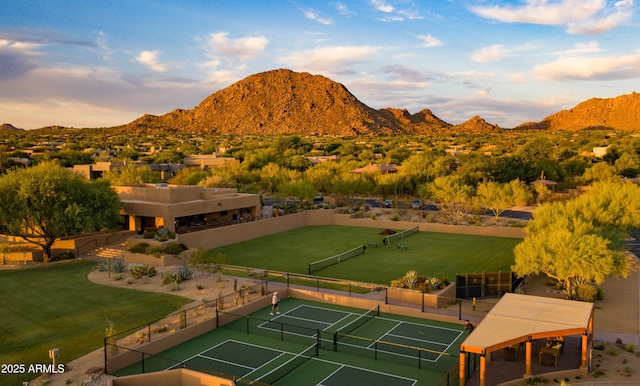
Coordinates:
8 127
475 125
287 102
619 113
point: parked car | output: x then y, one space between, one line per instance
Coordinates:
416 204
387 203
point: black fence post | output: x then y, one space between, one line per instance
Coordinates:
106 371
459 309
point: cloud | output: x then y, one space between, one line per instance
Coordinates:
581 48
581 17
382 6
491 53
343 9
218 44
406 74
16 59
313 15
329 59
596 68
429 40
150 60
392 13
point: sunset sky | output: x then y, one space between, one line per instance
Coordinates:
102 63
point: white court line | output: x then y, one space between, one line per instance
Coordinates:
342 365
282 353
420 324
419 340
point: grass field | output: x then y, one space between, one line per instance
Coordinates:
431 254
56 306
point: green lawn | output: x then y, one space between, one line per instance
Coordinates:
431 254
56 306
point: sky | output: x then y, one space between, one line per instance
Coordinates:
102 63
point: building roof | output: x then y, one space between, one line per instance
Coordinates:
517 318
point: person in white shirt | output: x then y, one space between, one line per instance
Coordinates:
274 303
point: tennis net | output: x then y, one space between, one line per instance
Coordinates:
337 259
401 235
355 324
387 351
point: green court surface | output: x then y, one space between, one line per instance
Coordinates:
319 344
428 253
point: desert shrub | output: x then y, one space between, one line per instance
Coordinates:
434 283
410 279
118 266
139 270
174 286
67 255
185 273
599 293
630 348
586 292
174 249
149 235
168 278
474 220
103 265
139 248
155 250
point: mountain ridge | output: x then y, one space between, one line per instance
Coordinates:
283 101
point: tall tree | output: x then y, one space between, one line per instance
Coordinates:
579 242
498 197
452 195
46 202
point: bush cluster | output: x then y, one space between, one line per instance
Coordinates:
158 250
183 273
411 280
139 270
161 234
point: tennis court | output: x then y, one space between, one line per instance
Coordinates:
313 343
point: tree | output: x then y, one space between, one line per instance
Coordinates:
204 263
46 202
130 174
579 242
498 197
452 195
302 190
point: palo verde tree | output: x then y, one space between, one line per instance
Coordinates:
497 197
452 195
46 202
579 242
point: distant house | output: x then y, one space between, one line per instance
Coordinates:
600 151
323 158
184 208
375 168
207 161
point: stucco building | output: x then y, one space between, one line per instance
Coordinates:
184 208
